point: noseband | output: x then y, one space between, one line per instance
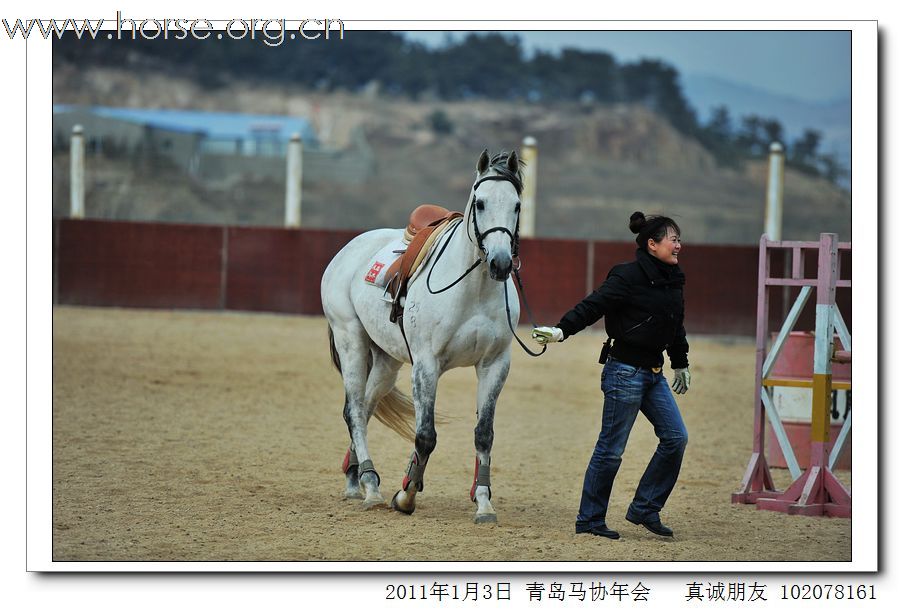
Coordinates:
473 213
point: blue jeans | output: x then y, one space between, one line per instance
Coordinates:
627 390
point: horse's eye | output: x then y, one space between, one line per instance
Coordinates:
479 204
518 207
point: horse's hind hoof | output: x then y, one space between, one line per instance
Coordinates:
352 495
484 518
396 506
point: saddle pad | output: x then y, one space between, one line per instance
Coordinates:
379 264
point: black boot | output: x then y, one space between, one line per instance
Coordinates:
601 531
653 525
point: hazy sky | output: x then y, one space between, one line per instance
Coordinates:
808 65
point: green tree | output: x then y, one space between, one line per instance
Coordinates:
655 84
804 150
717 136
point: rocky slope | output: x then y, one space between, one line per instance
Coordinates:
597 164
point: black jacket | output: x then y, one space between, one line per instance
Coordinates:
643 302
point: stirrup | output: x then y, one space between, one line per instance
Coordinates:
387 297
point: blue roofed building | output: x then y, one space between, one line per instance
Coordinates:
219 149
184 136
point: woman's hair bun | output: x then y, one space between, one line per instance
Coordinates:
637 222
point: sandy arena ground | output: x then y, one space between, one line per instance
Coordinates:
200 436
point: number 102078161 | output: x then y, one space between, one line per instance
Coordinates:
828 591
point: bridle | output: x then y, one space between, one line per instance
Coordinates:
480 236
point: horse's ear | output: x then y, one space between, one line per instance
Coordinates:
484 162
512 162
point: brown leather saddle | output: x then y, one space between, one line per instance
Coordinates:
425 225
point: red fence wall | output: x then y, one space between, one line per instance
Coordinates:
104 263
278 270
155 265
554 273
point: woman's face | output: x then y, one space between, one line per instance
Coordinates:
666 249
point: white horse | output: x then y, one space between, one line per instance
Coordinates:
465 325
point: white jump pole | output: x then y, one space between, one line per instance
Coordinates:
529 193
774 191
77 173
293 181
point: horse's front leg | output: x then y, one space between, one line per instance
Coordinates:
491 375
424 378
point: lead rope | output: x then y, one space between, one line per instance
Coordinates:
516 248
530 316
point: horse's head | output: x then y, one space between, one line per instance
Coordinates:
494 210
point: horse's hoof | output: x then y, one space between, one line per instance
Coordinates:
352 495
396 506
374 502
484 518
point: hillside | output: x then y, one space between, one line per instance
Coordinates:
831 119
597 164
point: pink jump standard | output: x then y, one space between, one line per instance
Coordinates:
815 492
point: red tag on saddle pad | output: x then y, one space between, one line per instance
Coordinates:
373 272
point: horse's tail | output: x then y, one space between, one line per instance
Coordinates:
333 352
395 410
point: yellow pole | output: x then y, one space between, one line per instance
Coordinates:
529 193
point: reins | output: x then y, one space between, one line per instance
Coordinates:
480 237
439 255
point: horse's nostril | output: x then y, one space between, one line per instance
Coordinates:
500 267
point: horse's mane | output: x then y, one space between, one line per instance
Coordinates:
498 163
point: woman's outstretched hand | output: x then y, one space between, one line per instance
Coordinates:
545 335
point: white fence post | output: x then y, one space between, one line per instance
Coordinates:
529 193
774 192
77 173
293 181
775 189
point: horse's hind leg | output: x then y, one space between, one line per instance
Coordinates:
381 379
491 377
350 464
354 350
424 377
